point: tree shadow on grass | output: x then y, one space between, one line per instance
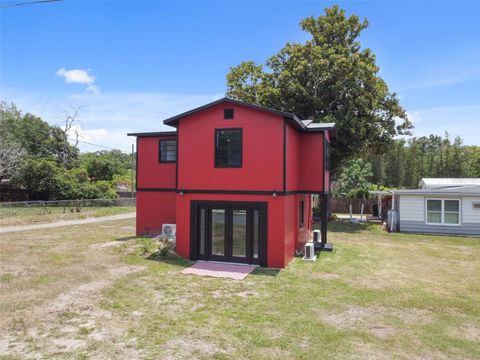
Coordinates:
262 271
126 238
348 227
171 259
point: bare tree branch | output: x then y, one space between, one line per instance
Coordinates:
10 156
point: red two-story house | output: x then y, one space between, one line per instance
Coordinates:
237 180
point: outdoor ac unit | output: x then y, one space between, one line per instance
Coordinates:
169 230
309 252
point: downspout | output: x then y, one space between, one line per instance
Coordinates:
393 211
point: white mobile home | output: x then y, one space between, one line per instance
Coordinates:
440 208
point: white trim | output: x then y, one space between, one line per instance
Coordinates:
442 211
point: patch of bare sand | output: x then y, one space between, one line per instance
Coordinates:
110 244
470 331
225 293
324 276
372 319
188 348
365 350
72 321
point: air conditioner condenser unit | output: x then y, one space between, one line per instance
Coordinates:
309 252
169 230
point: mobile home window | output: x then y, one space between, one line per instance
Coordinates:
301 214
228 148
443 211
168 150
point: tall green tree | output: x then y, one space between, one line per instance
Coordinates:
104 165
36 136
329 78
353 180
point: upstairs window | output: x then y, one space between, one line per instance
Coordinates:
301 214
228 148
327 155
168 151
443 212
228 114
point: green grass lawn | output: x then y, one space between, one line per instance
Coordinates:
39 215
87 292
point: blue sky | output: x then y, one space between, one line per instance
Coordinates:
140 62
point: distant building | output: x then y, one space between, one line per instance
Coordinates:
441 206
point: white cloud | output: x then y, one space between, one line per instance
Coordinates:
456 120
107 117
414 117
79 76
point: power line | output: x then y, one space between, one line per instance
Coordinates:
29 3
101 146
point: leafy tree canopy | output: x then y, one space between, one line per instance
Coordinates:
35 136
353 180
406 162
329 78
104 165
38 157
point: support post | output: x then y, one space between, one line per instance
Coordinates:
323 245
324 218
133 165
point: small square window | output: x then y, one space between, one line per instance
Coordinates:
168 151
301 214
228 113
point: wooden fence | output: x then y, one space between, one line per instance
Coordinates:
342 205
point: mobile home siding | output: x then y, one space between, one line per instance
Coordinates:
470 215
412 216
412 208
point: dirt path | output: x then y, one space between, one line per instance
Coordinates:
10 229
52 292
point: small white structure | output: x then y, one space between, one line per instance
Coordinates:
309 252
441 206
442 183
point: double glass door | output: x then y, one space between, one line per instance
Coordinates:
231 233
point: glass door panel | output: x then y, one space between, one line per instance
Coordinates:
202 229
256 233
239 233
218 232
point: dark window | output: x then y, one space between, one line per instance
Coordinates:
301 214
168 150
327 155
228 147
228 113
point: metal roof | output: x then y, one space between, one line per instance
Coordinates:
449 181
473 190
150 134
300 125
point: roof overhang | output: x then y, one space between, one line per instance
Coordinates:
302 126
153 134
437 192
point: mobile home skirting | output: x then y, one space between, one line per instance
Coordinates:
421 227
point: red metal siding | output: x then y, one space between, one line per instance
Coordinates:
296 237
262 150
311 174
327 172
276 257
304 160
294 157
151 172
153 210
